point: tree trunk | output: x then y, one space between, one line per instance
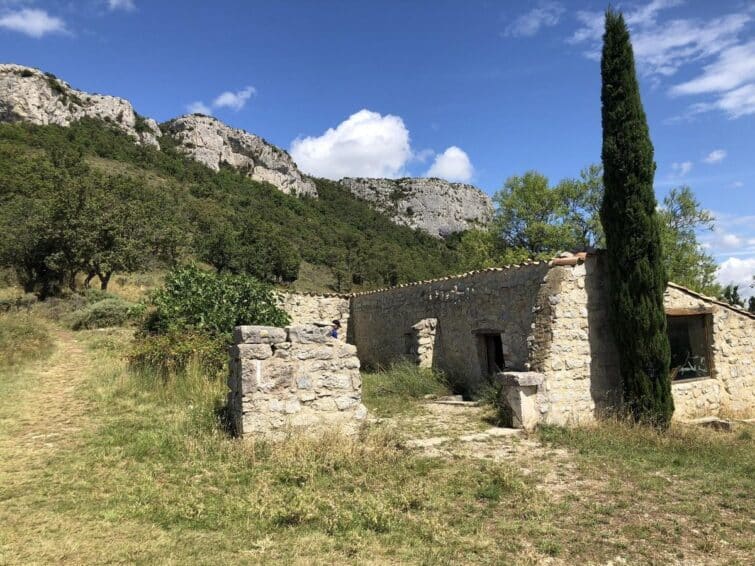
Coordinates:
104 279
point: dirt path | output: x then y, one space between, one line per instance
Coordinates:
46 412
464 430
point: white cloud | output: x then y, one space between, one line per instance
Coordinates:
32 22
228 99
737 184
198 107
366 144
681 169
715 156
127 5
738 271
452 165
661 48
234 100
545 14
733 67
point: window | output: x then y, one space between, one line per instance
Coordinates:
689 336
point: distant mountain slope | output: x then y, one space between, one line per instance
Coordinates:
213 143
223 216
435 206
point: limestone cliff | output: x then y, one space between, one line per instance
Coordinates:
214 143
29 95
435 206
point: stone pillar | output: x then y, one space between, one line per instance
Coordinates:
424 341
519 392
293 378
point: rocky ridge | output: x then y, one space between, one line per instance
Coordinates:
29 95
435 206
213 143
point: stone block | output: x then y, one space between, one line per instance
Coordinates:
308 334
251 351
521 378
258 335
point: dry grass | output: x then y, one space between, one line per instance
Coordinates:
101 465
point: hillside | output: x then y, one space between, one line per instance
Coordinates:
220 217
439 208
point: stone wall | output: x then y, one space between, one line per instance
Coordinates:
573 347
317 309
293 378
495 301
731 387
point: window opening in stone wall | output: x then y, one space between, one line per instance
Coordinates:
689 337
492 350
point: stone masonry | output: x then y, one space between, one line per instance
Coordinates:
293 378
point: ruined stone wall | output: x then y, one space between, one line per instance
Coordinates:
497 301
573 348
731 388
317 309
293 378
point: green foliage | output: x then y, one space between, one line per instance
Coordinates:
177 352
60 218
212 303
395 389
633 234
22 339
730 294
221 218
108 312
544 220
681 217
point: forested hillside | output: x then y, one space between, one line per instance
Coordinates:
83 202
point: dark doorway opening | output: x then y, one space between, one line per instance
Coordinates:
492 353
690 340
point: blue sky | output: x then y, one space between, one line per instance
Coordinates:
466 90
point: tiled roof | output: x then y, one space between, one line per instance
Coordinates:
713 300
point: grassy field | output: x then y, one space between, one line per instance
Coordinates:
98 464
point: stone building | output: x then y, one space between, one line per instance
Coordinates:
542 330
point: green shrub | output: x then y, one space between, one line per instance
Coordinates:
101 314
176 351
22 338
212 303
17 303
396 389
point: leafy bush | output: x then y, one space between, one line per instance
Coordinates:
17 303
212 303
22 338
102 314
176 351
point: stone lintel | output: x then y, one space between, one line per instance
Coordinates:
258 335
520 378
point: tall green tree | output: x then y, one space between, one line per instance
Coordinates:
633 235
682 217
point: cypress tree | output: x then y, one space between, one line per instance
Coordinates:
633 240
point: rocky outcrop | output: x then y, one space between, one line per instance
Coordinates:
29 95
214 143
435 206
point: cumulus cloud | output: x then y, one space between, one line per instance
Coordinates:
545 14
715 156
681 169
32 22
198 107
452 165
228 99
126 5
234 100
738 271
366 144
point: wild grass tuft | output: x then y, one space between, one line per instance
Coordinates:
23 338
396 389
